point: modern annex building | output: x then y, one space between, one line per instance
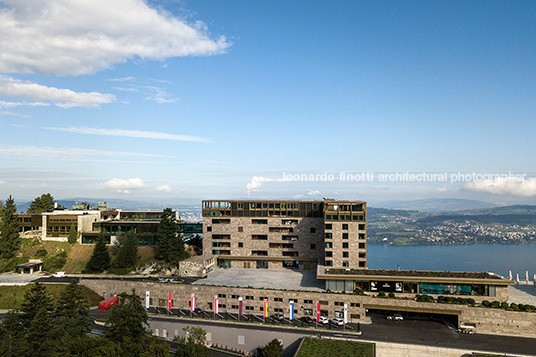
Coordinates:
284 234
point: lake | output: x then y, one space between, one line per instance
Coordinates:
497 258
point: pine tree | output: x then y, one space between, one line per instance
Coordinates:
9 229
100 259
39 336
11 336
273 348
72 311
44 203
127 256
170 244
36 298
73 235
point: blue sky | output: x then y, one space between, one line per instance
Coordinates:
184 100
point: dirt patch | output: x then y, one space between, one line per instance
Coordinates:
78 258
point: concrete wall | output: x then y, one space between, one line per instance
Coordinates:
485 320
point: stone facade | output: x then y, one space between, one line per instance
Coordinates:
485 320
263 234
197 266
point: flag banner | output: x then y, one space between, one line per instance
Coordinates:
240 306
345 313
169 302
216 304
192 302
291 309
265 307
147 298
318 312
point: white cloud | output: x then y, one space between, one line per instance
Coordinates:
122 185
442 189
74 37
258 181
313 192
71 154
127 89
502 186
123 79
163 188
64 98
133 134
160 96
12 114
4 104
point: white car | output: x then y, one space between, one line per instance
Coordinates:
338 322
395 317
323 320
59 274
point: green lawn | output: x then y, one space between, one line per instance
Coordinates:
11 297
313 347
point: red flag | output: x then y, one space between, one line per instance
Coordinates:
169 301
318 312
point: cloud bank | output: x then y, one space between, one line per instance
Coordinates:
258 181
504 186
75 37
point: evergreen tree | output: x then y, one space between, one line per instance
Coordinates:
170 244
44 203
12 343
36 298
73 235
72 311
9 229
100 259
127 325
273 348
127 256
39 337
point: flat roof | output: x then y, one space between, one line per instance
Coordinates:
453 277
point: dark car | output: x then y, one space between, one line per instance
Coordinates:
307 319
198 310
277 316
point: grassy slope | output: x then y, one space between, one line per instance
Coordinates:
321 348
12 296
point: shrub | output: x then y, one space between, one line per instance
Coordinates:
381 294
486 303
504 305
392 296
41 252
495 304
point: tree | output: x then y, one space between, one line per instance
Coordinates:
44 203
9 229
72 311
127 326
127 256
100 259
193 343
39 336
36 298
11 335
197 242
170 244
73 235
273 348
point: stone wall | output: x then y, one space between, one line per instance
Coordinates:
485 320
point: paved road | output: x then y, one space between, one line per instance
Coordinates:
410 331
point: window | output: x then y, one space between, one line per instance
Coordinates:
307 301
209 229
329 245
249 297
234 296
329 263
313 246
328 226
345 245
361 235
361 245
362 227
329 235
345 236
329 254
313 230
278 299
345 264
249 308
324 302
223 296
355 304
345 254
362 265
240 229
339 303
259 221
240 245
345 226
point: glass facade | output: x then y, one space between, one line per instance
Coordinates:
426 288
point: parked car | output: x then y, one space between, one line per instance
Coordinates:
395 317
307 319
277 316
59 274
198 310
323 320
338 322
